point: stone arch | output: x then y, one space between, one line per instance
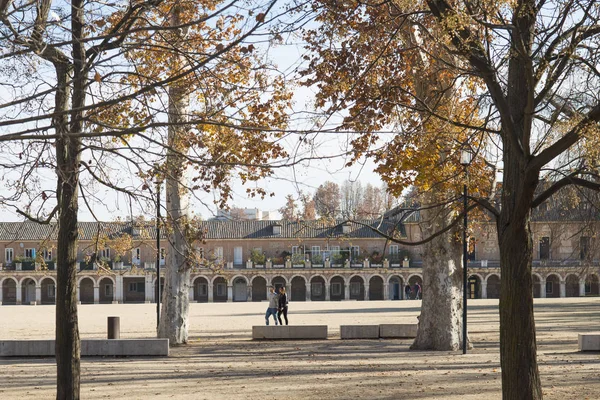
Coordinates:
553 285
537 285
232 279
412 282
259 288
357 287
474 286
376 287
278 281
219 288
9 290
592 285
571 285
396 287
35 282
239 285
85 277
48 288
493 286
28 287
317 287
86 290
337 288
106 287
298 290
200 285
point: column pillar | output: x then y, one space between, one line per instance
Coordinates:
249 292
149 291
308 291
118 289
563 289
366 292
484 290
19 293
210 289
96 294
581 288
542 289
386 291
38 295
229 293
191 293
327 286
347 291
1 293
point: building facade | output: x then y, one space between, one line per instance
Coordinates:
315 261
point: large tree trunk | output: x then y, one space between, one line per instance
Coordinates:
174 316
520 375
441 309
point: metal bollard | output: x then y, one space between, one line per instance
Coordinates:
114 328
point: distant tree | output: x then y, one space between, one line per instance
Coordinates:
237 214
373 203
351 195
327 200
308 207
290 210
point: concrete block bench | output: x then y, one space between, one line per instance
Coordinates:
289 332
392 331
89 347
359 331
589 341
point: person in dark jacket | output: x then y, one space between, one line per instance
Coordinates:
407 291
283 305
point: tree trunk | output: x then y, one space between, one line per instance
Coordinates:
174 316
440 321
520 375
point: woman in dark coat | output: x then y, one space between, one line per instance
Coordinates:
283 305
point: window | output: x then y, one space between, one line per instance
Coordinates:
316 288
136 255
202 289
51 291
315 250
8 255
335 249
137 287
355 288
588 288
105 253
163 256
544 248
295 249
221 289
336 289
108 290
393 250
549 287
219 253
47 254
30 253
355 251
584 247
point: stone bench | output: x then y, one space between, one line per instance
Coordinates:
393 331
292 332
589 341
89 347
359 331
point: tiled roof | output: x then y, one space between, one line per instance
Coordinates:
31 231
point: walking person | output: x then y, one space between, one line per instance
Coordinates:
407 292
417 291
283 305
273 305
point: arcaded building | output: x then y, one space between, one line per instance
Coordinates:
314 260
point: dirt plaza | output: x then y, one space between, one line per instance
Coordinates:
222 362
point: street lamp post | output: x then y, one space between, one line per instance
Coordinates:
158 185
465 160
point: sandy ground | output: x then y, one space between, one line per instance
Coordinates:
222 362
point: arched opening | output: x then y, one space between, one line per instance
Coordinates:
134 290
298 289
9 291
357 288
412 282
220 289
155 289
240 289
107 290
537 287
48 291
259 289
337 288
27 291
552 286
572 286
278 282
592 285
376 288
493 287
317 288
474 287
201 290
86 291
396 288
